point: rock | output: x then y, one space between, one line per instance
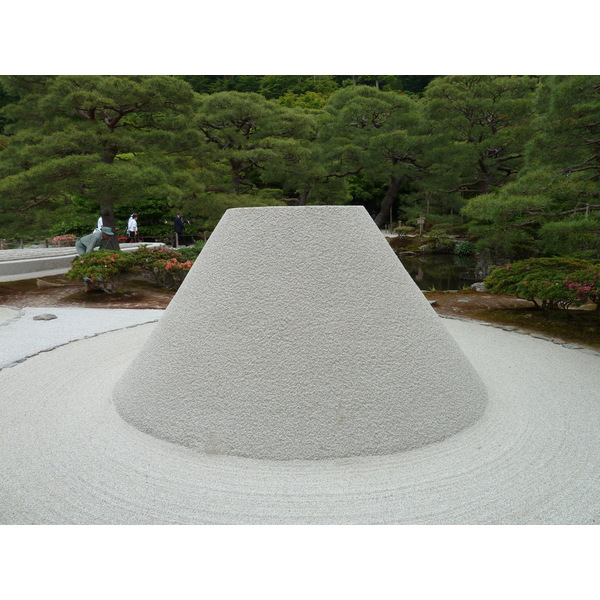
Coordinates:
590 351
571 346
45 317
42 284
424 248
479 286
539 336
433 302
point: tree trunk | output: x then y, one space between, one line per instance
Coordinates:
236 167
303 198
388 200
107 212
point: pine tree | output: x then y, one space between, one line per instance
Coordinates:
111 139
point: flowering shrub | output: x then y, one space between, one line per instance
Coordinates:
172 272
101 268
548 282
167 266
64 240
145 257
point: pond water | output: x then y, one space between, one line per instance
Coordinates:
440 271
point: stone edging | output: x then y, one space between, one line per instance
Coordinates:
484 323
86 337
523 332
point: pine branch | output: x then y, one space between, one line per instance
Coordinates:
28 207
342 175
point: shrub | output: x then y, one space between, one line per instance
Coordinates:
171 272
403 230
464 249
146 257
101 268
548 282
191 252
442 242
168 267
64 240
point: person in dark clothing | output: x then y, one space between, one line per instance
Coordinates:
179 226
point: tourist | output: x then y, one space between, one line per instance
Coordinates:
179 226
132 228
87 243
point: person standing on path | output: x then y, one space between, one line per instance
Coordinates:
87 243
132 228
178 226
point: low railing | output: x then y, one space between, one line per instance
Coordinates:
11 244
175 240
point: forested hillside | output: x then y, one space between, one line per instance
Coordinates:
511 161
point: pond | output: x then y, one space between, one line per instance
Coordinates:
441 271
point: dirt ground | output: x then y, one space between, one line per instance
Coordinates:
62 292
575 326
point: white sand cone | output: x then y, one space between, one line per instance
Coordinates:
298 334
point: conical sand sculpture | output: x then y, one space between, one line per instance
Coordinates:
298 334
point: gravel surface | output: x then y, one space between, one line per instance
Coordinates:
21 336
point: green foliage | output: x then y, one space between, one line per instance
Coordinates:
568 128
464 249
559 181
191 252
509 244
251 141
577 237
110 139
167 267
146 257
440 241
102 268
276 86
215 205
485 118
519 153
78 226
548 282
378 134
403 230
308 100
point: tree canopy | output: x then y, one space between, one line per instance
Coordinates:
513 160
109 139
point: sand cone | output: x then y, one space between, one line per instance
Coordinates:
298 334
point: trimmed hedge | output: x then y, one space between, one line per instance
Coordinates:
102 268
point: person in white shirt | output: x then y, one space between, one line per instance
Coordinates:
132 228
99 226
